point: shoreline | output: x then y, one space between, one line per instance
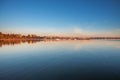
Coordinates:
57 39
45 38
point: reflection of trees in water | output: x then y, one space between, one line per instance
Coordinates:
13 42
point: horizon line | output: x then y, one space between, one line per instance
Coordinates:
55 35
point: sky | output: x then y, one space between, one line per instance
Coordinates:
61 17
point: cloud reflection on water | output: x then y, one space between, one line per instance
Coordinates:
55 45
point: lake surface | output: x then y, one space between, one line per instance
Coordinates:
61 60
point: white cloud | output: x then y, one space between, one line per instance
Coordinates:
78 30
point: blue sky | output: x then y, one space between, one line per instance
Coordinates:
78 17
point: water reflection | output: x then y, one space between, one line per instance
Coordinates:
76 44
14 42
60 60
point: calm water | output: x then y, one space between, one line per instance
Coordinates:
61 60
